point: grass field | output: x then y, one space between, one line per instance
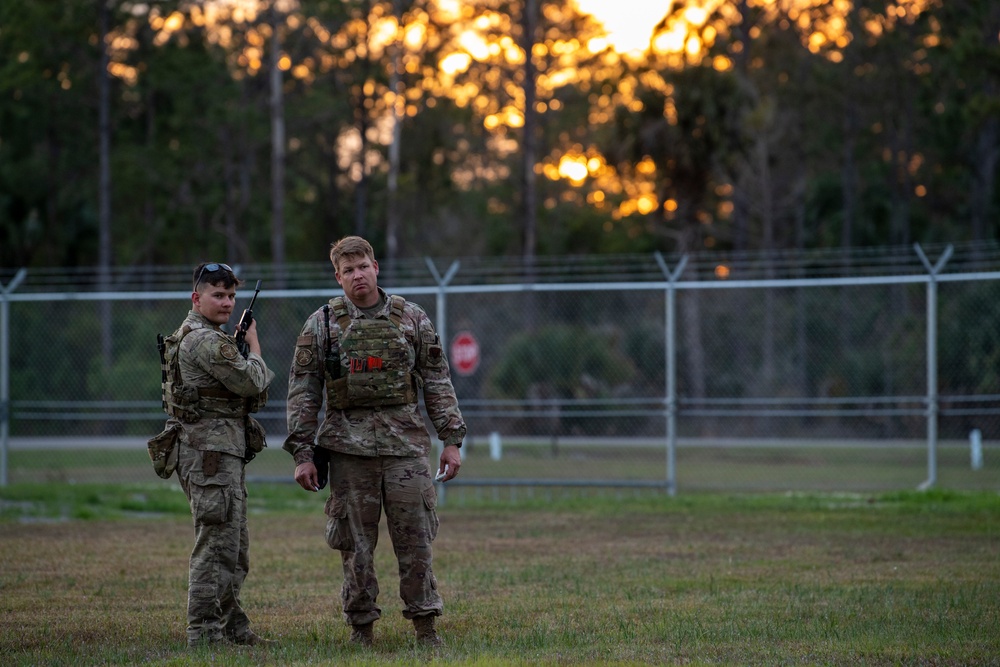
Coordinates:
96 574
867 467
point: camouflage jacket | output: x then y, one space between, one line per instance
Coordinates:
391 430
209 359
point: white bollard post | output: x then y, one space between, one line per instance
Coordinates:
976 448
496 449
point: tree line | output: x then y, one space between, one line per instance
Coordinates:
169 132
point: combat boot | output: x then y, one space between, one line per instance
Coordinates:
364 634
426 634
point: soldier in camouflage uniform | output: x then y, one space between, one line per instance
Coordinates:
212 451
366 354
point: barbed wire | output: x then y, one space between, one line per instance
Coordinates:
968 257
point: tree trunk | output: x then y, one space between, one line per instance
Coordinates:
689 316
230 214
529 152
104 257
849 182
277 158
801 309
529 147
762 150
393 222
985 153
362 104
741 205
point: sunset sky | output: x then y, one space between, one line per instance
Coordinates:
629 23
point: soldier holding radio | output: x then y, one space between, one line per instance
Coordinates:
209 391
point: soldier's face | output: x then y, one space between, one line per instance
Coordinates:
214 302
358 275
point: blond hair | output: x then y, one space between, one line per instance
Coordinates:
350 246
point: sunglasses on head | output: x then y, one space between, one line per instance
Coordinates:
211 268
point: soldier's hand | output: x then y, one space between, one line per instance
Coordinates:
251 338
451 461
306 476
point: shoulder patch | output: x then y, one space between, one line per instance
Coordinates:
303 356
229 351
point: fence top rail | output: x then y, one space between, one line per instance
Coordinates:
421 275
717 284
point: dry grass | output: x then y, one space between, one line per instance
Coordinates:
710 580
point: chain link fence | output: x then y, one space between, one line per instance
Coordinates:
678 378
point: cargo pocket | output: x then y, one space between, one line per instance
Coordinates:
210 504
429 495
338 527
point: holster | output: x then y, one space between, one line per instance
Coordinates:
256 440
163 450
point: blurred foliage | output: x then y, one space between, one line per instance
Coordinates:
560 362
741 125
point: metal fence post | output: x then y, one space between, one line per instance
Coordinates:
5 369
670 399
442 291
442 328
932 389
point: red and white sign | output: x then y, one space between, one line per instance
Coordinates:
464 353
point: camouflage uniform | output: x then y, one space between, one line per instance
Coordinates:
210 467
379 456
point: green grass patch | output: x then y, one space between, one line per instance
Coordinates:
809 468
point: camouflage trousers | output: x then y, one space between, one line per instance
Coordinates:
215 486
360 487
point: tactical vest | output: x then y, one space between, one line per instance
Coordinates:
371 366
187 403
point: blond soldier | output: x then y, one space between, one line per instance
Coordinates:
209 391
367 354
